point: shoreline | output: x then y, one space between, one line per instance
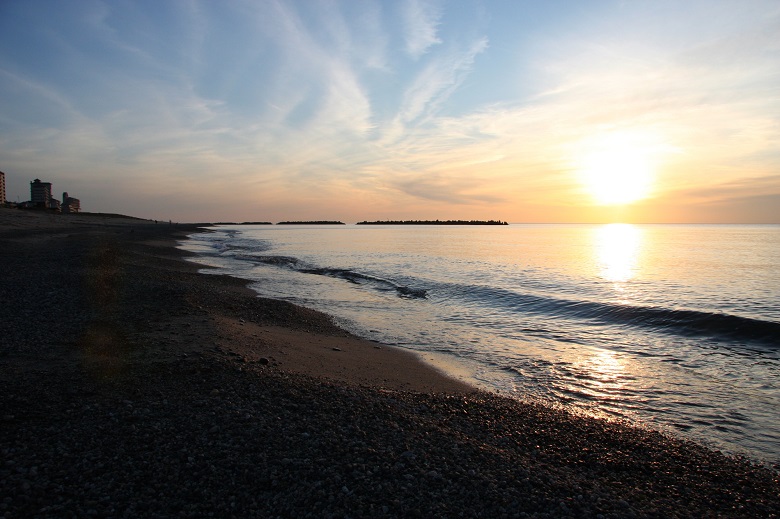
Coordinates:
136 385
324 351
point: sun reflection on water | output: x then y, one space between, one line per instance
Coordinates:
602 379
606 371
617 249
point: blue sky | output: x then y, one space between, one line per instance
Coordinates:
273 110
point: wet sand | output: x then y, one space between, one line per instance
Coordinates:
133 385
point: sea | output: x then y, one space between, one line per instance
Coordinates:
674 327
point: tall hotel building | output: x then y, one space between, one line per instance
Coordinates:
40 193
2 188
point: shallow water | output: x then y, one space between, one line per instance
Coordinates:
676 326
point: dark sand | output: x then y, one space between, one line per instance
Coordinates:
134 386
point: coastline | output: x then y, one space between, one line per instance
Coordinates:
132 377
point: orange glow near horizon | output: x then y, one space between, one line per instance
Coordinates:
553 114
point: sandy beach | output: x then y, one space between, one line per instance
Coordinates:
135 386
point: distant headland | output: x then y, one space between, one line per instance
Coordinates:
380 222
435 222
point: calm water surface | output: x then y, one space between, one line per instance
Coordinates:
674 326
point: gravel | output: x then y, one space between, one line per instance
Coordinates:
113 406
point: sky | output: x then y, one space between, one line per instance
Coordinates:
524 111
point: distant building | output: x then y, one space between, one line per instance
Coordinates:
70 204
40 193
2 188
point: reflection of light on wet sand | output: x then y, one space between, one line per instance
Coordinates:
617 250
457 367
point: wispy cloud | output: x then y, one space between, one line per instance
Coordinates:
736 189
19 89
421 19
438 80
748 200
447 189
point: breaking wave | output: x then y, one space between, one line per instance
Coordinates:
351 276
690 323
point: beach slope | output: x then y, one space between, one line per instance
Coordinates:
135 386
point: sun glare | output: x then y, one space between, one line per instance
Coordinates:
617 248
617 169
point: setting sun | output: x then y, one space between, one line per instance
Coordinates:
617 170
